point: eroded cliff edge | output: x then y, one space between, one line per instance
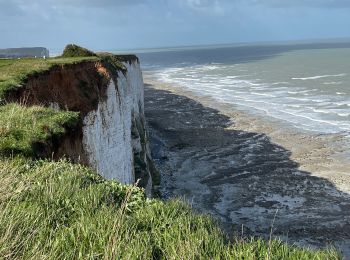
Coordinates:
108 93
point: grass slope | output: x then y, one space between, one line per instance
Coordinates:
22 128
56 210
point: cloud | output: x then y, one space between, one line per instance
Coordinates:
14 7
81 3
301 3
197 4
34 10
8 8
97 3
227 7
149 23
209 7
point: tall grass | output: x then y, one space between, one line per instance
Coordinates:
57 210
23 129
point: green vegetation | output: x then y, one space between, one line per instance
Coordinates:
22 128
56 210
72 50
112 62
15 72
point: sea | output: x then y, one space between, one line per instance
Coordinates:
305 85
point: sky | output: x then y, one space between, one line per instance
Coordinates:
135 24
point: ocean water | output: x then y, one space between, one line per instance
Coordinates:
306 86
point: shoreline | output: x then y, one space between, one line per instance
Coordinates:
323 155
244 170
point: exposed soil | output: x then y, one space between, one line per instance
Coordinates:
250 174
74 87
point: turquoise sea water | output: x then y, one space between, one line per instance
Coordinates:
305 86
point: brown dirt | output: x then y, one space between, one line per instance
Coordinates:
74 87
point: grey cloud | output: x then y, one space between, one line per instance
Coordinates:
296 3
208 7
8 9
47 9
307 3
97 3
271 3
13 5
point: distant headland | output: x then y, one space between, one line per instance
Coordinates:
33 52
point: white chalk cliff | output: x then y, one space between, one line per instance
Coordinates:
115 133
109 96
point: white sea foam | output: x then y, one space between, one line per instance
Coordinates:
344 114
280 83
262 94
306 106
333 83
322 76
208 67
253 84
322 111
295 106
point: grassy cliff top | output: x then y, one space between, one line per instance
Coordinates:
25 130
15 72
22 128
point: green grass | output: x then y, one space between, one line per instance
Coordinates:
15 72
72 50
22 129
57 210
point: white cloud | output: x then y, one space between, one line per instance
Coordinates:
209 7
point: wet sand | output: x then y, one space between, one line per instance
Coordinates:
247 171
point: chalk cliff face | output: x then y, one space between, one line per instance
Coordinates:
114 131
111 138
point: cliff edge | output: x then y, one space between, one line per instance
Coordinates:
107 91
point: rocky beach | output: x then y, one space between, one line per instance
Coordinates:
258 177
